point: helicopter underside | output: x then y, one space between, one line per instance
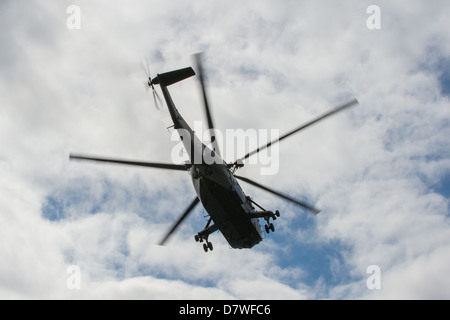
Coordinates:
230 210
227 212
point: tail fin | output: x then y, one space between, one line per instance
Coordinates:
168 78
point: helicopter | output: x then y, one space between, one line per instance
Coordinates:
230 211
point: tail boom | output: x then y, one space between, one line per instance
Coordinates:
169 78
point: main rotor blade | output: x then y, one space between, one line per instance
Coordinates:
177 224
169 166
298 202
198 59
309 123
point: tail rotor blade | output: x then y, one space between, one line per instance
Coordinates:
144 65
154 100
158 97
148 84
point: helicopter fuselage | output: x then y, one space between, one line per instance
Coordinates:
230 211
217 189
228 207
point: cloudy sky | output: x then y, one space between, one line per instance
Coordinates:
380 171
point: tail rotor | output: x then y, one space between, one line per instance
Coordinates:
149 84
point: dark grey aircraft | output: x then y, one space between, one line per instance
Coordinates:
230 210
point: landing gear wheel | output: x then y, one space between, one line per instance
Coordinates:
197 238
277 213
208 246
272 227
269 227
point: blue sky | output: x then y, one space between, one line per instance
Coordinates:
379 171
